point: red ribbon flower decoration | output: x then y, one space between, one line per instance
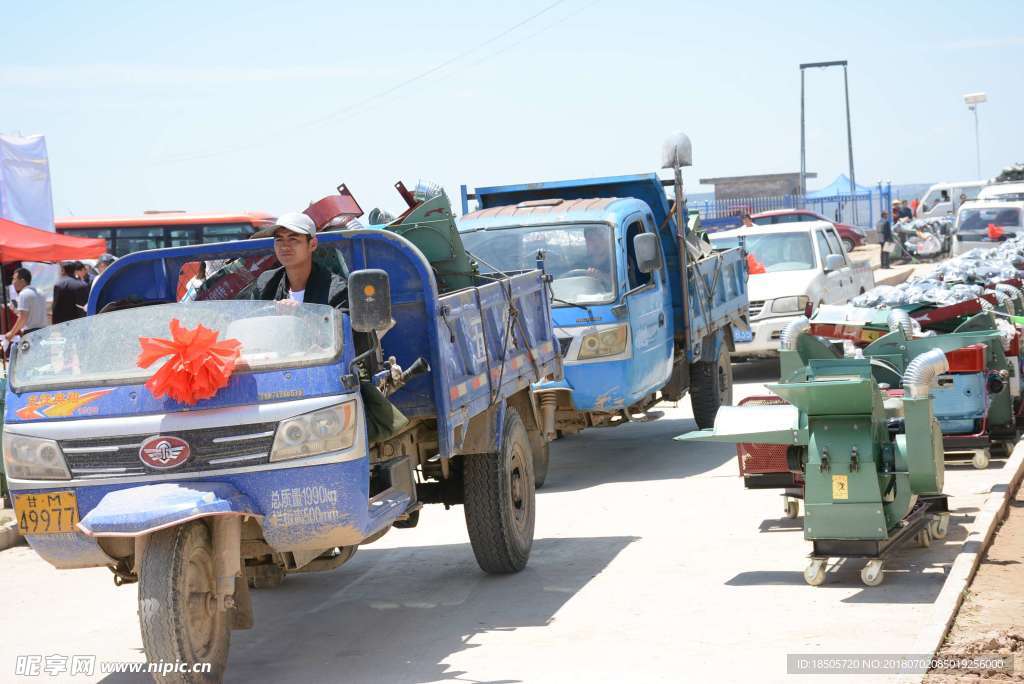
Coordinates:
994 232
199 365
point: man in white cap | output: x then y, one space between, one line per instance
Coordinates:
299 279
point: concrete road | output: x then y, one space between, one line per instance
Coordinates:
651 563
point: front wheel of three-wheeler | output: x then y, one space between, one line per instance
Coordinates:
710 387
499 500
178 605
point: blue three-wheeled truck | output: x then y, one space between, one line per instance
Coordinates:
288 468
632 330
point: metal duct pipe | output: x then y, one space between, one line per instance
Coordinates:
1011 292
1001 299
792 332
899 319
920 373
426 190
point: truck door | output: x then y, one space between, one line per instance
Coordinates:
650 315
847 285
832 288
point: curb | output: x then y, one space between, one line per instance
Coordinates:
896 278
964 567
9 535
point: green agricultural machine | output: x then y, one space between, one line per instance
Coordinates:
872 464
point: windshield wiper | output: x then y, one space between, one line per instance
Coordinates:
578 306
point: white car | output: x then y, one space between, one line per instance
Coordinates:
794 268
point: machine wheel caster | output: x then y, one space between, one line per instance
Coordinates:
871 575
939 526
924 538
792 508
814 574
981 459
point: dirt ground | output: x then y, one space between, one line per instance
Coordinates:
991 619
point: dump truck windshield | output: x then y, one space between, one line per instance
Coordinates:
579 257
103 349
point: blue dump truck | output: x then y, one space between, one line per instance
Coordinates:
631 329
335 426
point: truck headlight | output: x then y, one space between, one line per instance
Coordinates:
605 343
790 304
329 429
31 458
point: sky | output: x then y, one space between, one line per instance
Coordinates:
268 105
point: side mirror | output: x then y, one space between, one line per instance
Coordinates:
648 256
833 262
369 300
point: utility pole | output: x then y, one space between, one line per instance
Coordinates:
849 129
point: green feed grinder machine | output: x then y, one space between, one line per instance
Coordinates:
872 464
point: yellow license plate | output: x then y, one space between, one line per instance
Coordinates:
46 513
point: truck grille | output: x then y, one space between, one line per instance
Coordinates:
755 307
212 449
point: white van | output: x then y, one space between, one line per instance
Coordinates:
943 199
1010 192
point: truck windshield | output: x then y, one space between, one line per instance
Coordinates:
578 257
979 219
102 349
777 252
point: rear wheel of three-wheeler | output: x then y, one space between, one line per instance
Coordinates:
541 458
499 500
178 603
710 387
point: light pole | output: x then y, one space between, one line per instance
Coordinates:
972 100
849 130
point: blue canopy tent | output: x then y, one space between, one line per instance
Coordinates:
840 187
836 199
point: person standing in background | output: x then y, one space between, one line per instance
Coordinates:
31 306
104 262
905 211
82 273
70 294
884 229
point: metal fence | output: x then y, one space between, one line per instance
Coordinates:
860 210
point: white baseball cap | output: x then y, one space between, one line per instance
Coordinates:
297 222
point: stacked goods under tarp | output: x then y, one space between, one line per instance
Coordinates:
923 239
1011 174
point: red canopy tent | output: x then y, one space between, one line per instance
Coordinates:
22 243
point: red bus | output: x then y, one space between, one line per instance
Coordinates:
155 229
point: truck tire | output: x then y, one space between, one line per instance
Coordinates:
710 387
499 500
177 603
541 458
